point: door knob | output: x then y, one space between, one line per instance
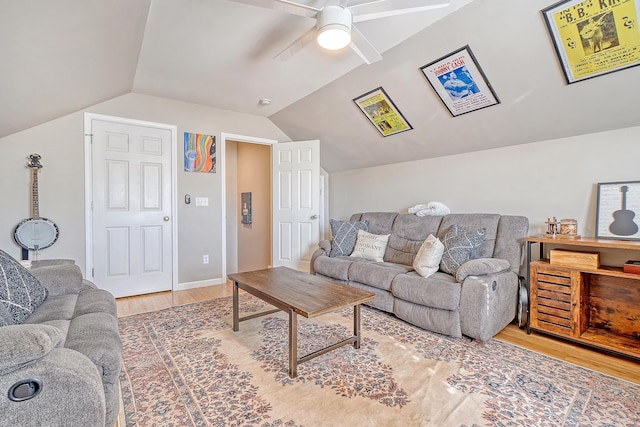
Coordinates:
314 216
166 218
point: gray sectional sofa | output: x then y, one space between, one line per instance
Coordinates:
479 301
60 350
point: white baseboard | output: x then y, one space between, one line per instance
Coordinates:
199 284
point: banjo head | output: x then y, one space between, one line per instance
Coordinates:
36 234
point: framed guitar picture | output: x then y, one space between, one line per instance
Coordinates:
618 212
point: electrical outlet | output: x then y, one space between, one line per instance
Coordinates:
205 259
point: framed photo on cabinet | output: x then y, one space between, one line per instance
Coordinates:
618 211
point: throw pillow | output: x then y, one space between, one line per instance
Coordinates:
460 246
5 316
427 260
344 235
20 292
370 246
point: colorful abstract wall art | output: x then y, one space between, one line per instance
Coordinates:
199 153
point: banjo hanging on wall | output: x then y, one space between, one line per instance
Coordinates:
35 233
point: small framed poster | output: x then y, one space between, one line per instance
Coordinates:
460 83
593 38
199 153
618 210
382 112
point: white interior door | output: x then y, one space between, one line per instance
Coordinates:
296 203
132 208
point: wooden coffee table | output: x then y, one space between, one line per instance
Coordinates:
299 293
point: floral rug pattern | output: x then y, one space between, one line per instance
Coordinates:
184 366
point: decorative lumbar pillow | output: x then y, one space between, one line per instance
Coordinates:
20 292
460 246
427 260
370 246
344 235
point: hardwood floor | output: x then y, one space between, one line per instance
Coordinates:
609 364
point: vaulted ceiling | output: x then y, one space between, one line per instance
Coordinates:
65 55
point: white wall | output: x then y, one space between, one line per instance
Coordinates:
61 144
538 180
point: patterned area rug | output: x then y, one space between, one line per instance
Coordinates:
184 366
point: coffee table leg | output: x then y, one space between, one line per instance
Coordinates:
293 344
356 325
236 308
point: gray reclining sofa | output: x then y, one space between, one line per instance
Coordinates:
479 301
60 350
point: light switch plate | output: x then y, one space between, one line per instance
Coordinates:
202 201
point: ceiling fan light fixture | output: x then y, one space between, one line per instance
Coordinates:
334 27
334 36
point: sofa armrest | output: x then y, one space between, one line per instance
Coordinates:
24 344
488 304
481 267
61 279
324 249
325 245
67 390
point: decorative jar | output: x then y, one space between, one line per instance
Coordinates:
568 227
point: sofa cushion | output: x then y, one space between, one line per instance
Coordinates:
344 235
460 245
445 322
439 291
61 279
59 307
379 222
427 260
20 292
95 301
96 336
370 246
376 274
407 235
336 268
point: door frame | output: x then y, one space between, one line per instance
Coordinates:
88 187
223 171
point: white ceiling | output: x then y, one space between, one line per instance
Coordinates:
65 55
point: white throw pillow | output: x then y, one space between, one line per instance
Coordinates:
370 246
427 260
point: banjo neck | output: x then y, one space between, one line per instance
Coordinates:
35 208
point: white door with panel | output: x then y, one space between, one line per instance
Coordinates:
296 203
132 206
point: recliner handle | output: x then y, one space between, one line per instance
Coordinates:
24 390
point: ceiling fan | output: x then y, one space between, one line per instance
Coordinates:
334 27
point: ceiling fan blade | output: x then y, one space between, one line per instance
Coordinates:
283 6
363 47
382 9
297 45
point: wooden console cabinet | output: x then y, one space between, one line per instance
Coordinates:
598 307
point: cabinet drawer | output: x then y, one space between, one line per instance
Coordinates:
553 301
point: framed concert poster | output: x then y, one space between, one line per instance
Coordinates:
618 211
382 112
593 38
460 83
